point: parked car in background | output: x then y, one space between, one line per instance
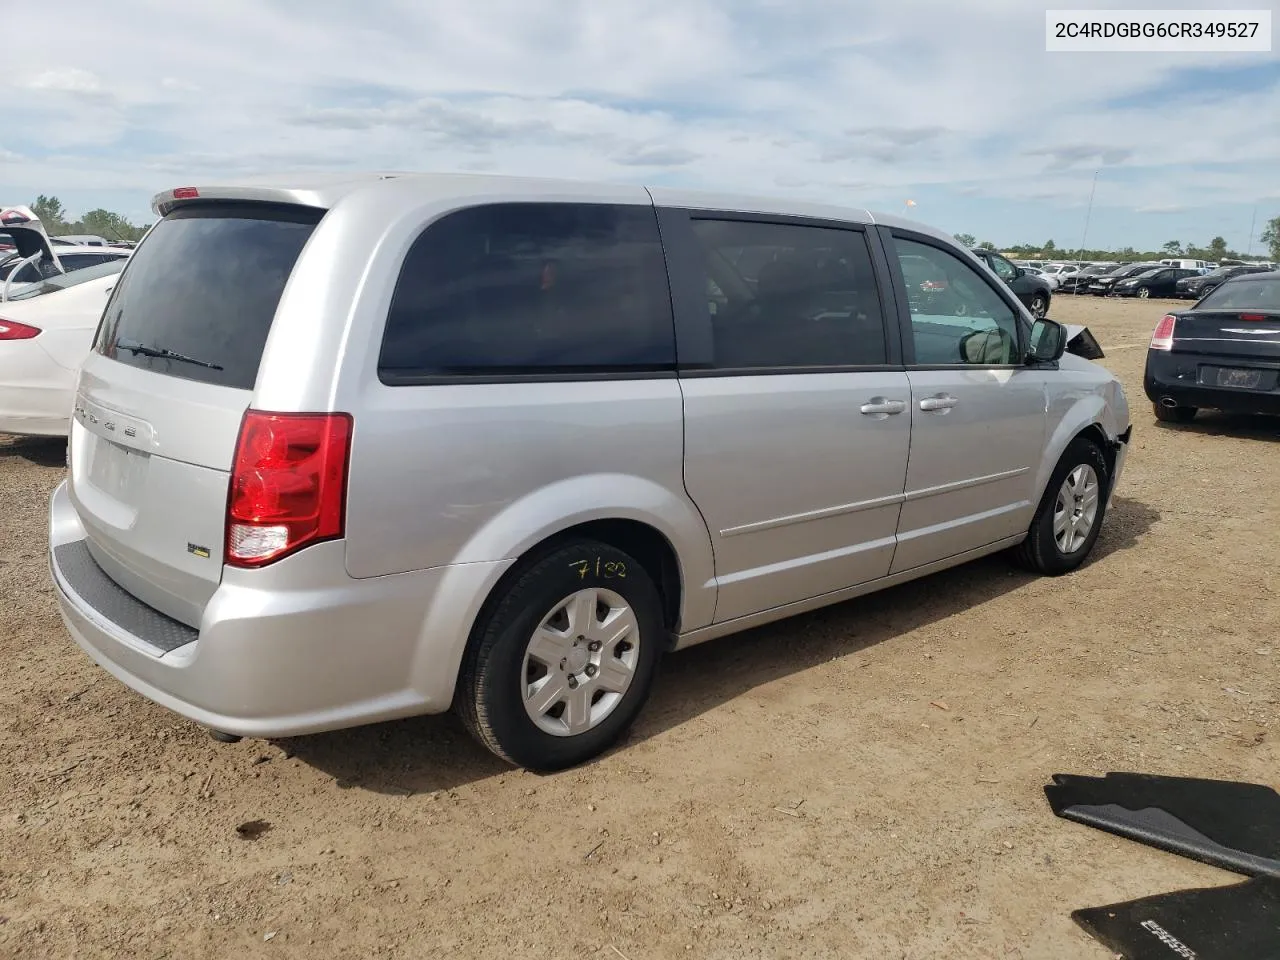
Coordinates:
338 450
70 259
1061 270
1200 266
1103 285
1161 282
1079 281
1223 353
1194 288
1052 281
82 240
45 332
1033 291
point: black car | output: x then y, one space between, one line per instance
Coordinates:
1079 282
1193 288
1103 285
1158 282
1027 287
1222 353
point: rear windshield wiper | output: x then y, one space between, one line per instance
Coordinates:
142 349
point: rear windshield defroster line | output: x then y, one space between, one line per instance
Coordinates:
206 283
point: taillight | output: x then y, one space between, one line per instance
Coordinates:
1256 317
13 330
1162 339
185 193
288 484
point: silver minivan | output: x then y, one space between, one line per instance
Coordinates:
373 446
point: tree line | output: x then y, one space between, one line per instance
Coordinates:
99 223
1216 250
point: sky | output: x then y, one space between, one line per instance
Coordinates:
956 106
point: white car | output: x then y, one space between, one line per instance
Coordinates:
46 330
1052 279
1060 270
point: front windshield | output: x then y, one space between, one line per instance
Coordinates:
1250 294
64 280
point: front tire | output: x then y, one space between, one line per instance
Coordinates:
1144 292
1178 414
1069 518
1039 306
562 662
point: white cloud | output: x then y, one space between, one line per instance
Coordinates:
65 80
751 95
180 85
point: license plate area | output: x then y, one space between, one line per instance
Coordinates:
117 471
1238 378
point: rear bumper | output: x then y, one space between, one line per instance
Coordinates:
295 648
1175 376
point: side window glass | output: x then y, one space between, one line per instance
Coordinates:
784 295
1005 270
956 317
532 288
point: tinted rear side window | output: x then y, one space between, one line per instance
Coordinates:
784 295
531 289
205 284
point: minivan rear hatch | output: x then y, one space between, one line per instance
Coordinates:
161 397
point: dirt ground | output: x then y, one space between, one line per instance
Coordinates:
864 781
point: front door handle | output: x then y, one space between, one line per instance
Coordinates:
881 407
940 403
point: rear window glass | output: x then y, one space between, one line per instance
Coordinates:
531 288
201 291
1245 294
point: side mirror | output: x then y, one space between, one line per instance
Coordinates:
1048 342
1019 272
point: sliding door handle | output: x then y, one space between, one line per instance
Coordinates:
882 407
942 402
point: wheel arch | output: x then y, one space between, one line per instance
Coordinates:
645 542
1086 418
663 532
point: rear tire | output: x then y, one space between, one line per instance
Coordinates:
1039 306
1174 414
563 660
1069 518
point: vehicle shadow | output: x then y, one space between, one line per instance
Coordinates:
41 451
1211 423
425 754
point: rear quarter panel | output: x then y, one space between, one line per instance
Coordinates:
67 319
461 473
